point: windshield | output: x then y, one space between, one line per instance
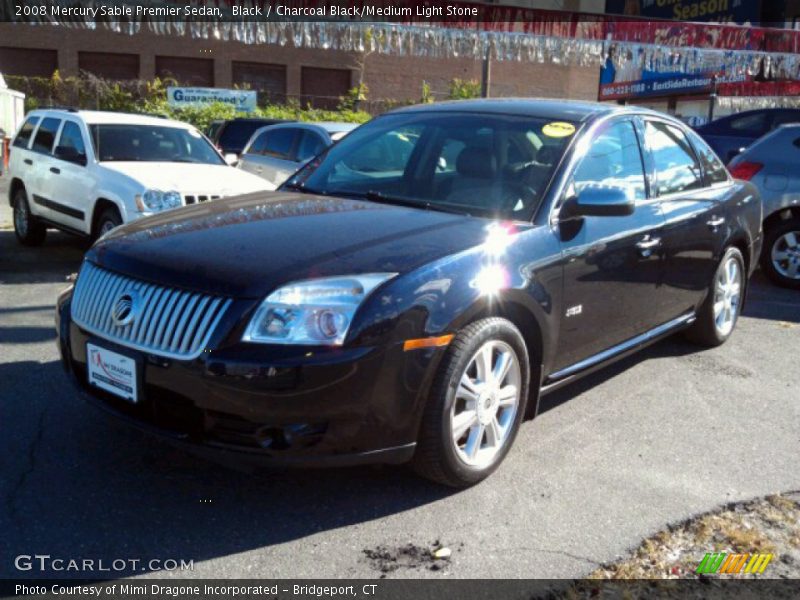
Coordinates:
151 143
492 165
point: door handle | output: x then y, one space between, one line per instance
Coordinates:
715 222
647 245
28 161
55 170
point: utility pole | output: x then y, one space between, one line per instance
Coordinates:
486 73
713 98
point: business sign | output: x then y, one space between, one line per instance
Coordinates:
630 82
181 97
717 11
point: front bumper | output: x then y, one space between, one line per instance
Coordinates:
267 405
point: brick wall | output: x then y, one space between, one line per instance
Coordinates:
388 77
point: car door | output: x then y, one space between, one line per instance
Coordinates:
612 264
271 154
694 216
42 184
20 160
73 185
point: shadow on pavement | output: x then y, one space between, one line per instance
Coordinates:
60 255
87 485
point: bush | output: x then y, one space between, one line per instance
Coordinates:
463 89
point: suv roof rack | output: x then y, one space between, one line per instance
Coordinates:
65 108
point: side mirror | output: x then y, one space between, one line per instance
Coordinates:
231 158
598 201
70 155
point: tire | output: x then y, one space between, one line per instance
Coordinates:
439 455
718 315
28 229
108 220
780 259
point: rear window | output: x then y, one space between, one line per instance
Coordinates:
237 133
46 135
24 135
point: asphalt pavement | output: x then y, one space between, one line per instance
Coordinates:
663 435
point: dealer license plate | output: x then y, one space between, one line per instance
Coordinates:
112 372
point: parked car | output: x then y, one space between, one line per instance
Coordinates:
730 135
415 311
277 151
772 164
231 136
87 172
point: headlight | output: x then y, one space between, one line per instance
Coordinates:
314 312
156 200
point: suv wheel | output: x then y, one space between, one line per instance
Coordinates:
28 229
476 405
108 220
717 317
781 256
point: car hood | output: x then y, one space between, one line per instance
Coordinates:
248 246
190 178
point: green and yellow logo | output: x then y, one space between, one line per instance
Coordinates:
722 562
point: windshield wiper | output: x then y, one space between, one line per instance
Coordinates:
374 196
301 187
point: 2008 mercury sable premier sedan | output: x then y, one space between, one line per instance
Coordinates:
410 293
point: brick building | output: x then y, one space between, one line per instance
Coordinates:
319 76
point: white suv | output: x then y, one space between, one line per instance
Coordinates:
87 172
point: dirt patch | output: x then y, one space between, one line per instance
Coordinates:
768 526
409 556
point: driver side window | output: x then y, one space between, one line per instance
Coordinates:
613 160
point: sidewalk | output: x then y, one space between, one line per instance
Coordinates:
5 210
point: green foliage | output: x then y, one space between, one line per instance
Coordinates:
355 96
150 97
463 89
427 94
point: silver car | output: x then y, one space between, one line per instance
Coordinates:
772 163
277 151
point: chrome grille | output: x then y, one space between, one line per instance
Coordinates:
168 321
194 198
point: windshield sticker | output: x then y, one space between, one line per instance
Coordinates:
558 129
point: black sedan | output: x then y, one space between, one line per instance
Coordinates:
412 292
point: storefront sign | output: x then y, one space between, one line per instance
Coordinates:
179 97
718 11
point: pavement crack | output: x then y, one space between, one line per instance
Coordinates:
33 451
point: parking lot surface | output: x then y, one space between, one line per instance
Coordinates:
663 435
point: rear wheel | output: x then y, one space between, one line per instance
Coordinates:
476 405
28 229
717 318
780 258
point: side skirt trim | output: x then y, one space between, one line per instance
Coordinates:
618 350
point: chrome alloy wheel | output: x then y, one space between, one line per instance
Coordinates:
21 218
727 296
785 255
486 403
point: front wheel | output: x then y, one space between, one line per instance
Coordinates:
718 315
476 404
781 256
109 219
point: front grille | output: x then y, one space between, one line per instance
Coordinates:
192 199
167 321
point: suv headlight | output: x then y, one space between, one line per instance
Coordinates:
156 200
314 312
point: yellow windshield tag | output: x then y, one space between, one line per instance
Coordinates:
558 129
